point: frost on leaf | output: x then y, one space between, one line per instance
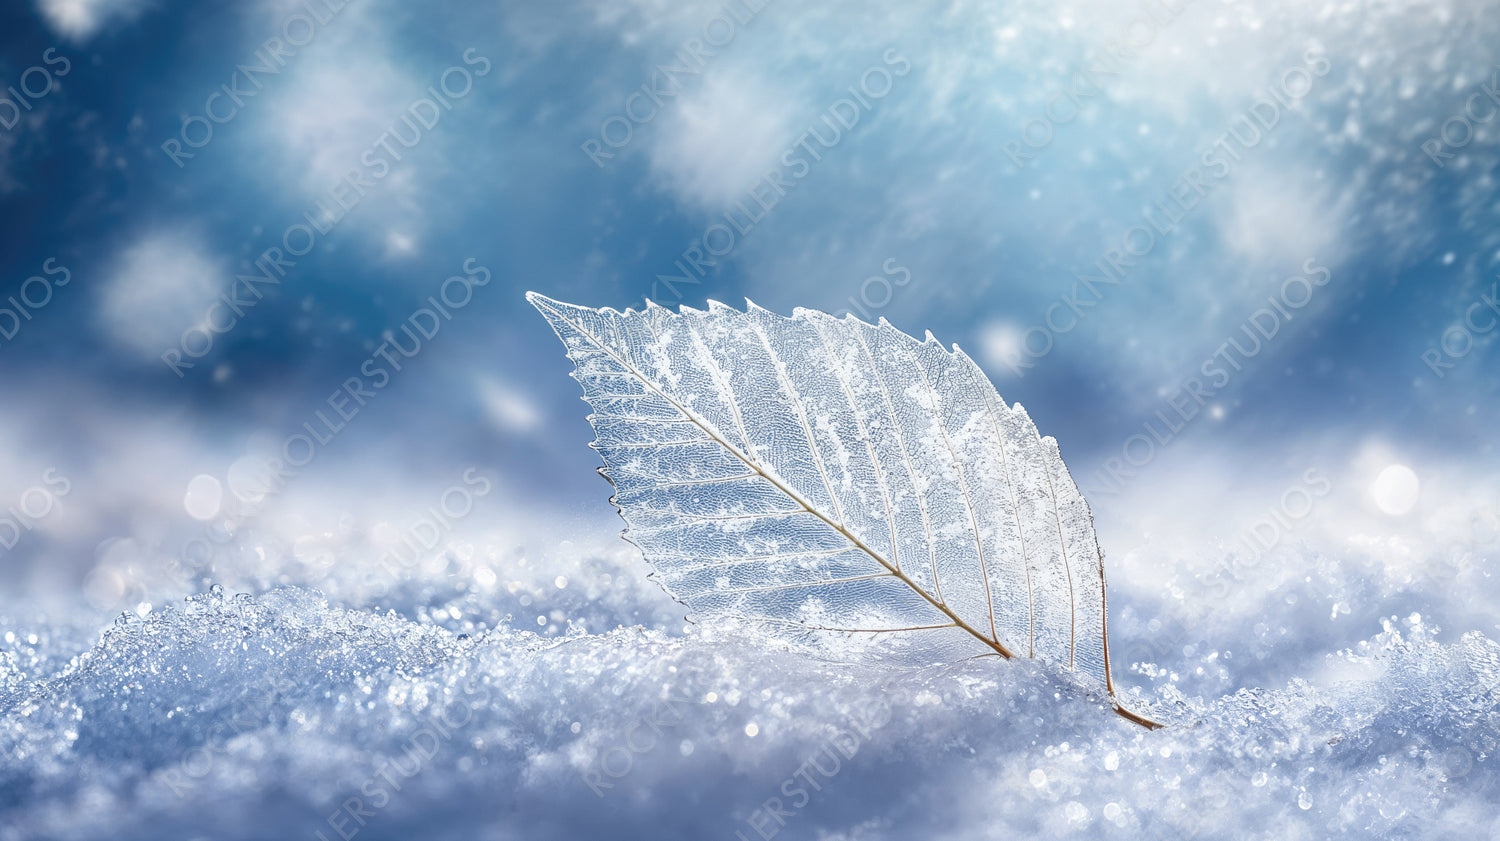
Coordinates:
811 474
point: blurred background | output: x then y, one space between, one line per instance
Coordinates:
263 268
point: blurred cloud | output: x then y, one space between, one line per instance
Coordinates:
722 138
80 20
507 408
159 286
348 89
1000 345
1278 216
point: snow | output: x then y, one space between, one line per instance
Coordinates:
286 714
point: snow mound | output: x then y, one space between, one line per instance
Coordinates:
284 716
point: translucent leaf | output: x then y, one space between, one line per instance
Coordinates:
812 474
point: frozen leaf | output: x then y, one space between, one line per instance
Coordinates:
818 475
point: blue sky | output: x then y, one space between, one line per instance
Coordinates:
927 181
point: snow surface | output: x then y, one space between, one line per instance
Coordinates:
238 716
